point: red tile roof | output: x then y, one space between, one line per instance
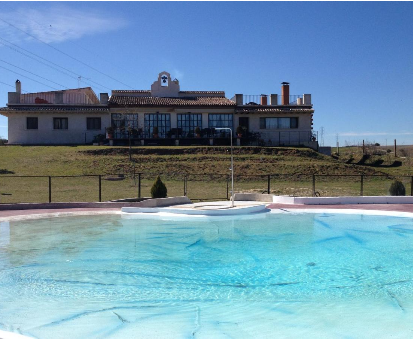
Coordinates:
50 108
174 101
275 110
132 91
222 93
203 92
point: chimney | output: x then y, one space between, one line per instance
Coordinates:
239 99
274 99
18 86
285 93
58 97
307 99
263 99
104 98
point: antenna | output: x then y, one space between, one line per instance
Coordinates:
79 79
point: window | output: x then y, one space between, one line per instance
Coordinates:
279 123
268 123
60 123
294 123
220 121
122 122
283 123
188 123
32 123
160 120
93 123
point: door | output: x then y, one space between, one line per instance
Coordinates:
244 123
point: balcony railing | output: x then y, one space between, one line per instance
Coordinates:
256 99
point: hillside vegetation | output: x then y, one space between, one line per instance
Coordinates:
206 170
82 160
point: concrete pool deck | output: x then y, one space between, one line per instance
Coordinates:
9 215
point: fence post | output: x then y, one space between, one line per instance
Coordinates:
139 185
313 185
50 189
100 188
269 184
227 188
361 184
184 185
411 186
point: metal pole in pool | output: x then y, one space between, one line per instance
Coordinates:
232 166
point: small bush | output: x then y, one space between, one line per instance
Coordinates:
397 189
158 189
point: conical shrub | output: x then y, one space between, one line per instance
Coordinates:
158 189
397 189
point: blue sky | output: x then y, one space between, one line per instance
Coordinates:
355 58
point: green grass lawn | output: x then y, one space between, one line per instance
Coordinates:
206 168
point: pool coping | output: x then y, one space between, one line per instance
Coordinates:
379 209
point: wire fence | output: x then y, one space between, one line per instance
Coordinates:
198 187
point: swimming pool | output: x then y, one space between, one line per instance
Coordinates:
257 276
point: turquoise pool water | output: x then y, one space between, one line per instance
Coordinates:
260 276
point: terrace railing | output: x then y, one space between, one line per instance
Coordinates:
255 99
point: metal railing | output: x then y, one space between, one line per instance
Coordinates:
198 187
255 99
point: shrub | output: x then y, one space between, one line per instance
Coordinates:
158 189
397 189
403 153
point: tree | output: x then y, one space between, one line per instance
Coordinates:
397 189
158 189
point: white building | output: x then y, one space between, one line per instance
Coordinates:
163 115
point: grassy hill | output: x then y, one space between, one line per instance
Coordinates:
82 160
208 168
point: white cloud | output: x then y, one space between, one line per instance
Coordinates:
56 24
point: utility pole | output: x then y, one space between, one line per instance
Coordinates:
338 151
322 135
395 148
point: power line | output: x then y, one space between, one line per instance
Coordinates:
10 86
29 78
32 73
64 53
51 62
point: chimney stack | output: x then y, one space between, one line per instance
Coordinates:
239 99
264 99
285 93
104 98
18 86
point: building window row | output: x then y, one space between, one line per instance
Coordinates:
279 123
62 123
187 124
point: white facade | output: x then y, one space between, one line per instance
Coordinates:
76 132
64 117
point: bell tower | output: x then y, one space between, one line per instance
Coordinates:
165 87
